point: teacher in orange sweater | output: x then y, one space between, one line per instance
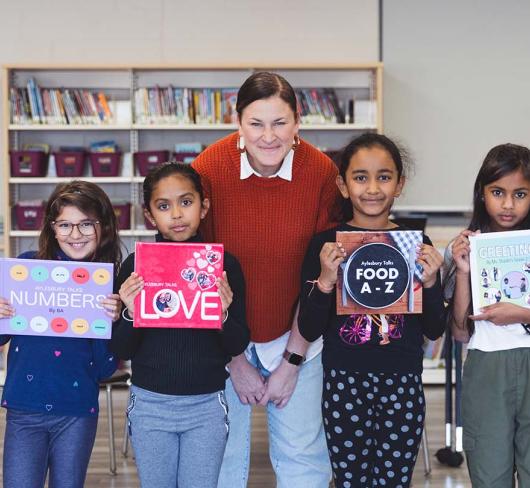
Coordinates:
270 192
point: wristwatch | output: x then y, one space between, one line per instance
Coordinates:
293 358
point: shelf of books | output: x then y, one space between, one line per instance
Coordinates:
110 124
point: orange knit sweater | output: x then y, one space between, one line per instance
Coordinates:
267 224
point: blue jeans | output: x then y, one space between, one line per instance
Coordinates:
35 443
297 445
178 440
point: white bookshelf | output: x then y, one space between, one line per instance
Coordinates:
360 81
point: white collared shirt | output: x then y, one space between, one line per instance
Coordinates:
270 353
285 172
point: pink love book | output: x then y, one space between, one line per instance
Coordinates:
179 289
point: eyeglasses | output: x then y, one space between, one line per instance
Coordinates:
86 228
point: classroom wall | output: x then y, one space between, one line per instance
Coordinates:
457 78
456 73
188 32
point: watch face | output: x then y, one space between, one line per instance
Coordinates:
295 359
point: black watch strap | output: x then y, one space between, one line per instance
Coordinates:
293 358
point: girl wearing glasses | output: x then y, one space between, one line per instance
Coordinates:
496 380
51 390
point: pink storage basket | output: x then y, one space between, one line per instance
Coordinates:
105 163
29 163
147 160
69 163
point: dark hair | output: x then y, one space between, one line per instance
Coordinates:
499 162
90 199
369 140
169 169
262 85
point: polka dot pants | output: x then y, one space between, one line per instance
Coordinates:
373 425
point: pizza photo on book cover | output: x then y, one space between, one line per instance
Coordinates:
380 273
500 268
56 298
179 285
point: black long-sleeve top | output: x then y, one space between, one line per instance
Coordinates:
183 361
353 342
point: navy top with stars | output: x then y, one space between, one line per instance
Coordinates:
55 375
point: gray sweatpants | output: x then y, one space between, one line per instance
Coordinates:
496 417
178 441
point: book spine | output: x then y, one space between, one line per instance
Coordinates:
107 114
26 105
33 102
60 104
40 105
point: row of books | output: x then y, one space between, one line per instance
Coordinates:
36 105
169 105
319 106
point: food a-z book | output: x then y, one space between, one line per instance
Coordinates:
180 288
56 298
380 273
500 268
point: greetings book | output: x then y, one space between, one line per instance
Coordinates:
500 268
380 274
56 298
179 285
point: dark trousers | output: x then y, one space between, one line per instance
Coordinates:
373 424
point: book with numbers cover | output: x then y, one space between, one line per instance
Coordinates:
500 268
179 285
380 274
56 298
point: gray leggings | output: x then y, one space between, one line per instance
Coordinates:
178 441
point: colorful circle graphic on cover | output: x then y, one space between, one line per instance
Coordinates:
60 274
59 325
514 284
100 327
165 302
19 272
80 275
39 324
80 326
376 275
101 276
18 323
39 274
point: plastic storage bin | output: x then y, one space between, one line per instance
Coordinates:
105 163
147 160
69 163
185 157
29 215
123 214
28 163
